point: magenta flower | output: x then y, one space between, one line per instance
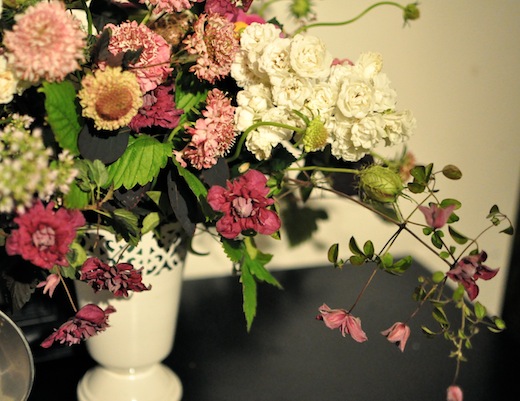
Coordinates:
44 235
87 322
436 217
49 284
454 393
340 318
227 8
118 279
398 334
469 269
245 206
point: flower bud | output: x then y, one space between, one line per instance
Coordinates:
315 137
452 172
381 184
300 8
411 12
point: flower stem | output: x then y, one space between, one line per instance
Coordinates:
67 291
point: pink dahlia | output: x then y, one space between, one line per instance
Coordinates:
44 235
158 110
215 43
245 206
87 322
153 66
213 135
118 279
46 42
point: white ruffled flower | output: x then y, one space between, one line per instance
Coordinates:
369 64
274 60
309 57
356 98
399 127
241 71
385 98
8 82
368 132
252 103
322 101
254 38
341 143
293 92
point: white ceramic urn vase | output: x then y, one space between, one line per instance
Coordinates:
130 352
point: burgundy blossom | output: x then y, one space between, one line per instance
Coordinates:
245 206
118 279
436 217
44 234
454 393
87 322
398 334
340 318
469 269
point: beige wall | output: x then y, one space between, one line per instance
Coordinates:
457 69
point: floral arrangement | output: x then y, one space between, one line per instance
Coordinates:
127 115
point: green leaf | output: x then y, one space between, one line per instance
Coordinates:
437 277
386 261
143 159
233 249
440 316
458 294
448 202
368 249
75 198
333 253
437 239
62 115
98 173
150 221
480 310
354 248
427 331
249 295
193 182
357 260
457 237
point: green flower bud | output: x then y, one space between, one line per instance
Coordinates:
411 12
381 184
300 8
452 172
315 137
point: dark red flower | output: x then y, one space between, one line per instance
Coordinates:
87 322
44 234
118 279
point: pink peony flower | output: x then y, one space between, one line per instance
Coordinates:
398 333
87 322
158 110
213 135
153 66
340 318
44 235
454 393
118 279
215 44
46 42
49 284
468 270
245 206
436 217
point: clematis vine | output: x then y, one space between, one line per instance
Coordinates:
342 320
398 334
436 217
245 206
454 393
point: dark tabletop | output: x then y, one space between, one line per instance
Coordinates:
288 355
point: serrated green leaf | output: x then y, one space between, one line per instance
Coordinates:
249 295
457 236
233 249
144 157
75 198
62 116
98 173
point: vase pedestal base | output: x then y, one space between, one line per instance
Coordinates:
155 383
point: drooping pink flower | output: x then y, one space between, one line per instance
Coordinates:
436 217
44 234
118 279
398 334
158 110
344 321
454 393
468 270
245 206
213 135
87 322
153 65
46 42
215 44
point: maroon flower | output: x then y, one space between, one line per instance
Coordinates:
454 393
343 320
118 279
436 217
398 334
87 322
469 269
44 235
245 206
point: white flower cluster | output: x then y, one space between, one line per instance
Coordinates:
280 74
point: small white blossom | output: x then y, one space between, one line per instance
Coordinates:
293 92
310 57
368 132
275 60
356 98
385 97
369 65
341 143
8 82
399 127
254 38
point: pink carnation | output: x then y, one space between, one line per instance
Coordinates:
87 322
215 43
244 204
153 66
213 135
44 235
46 42
158 110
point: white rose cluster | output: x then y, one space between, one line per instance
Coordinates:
278 74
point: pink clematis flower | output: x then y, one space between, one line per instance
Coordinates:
436 217
468 270
245 206
454 393
49 284
340 318
118 279
44 235
398 333
87 322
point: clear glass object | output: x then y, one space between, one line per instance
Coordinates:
16 362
